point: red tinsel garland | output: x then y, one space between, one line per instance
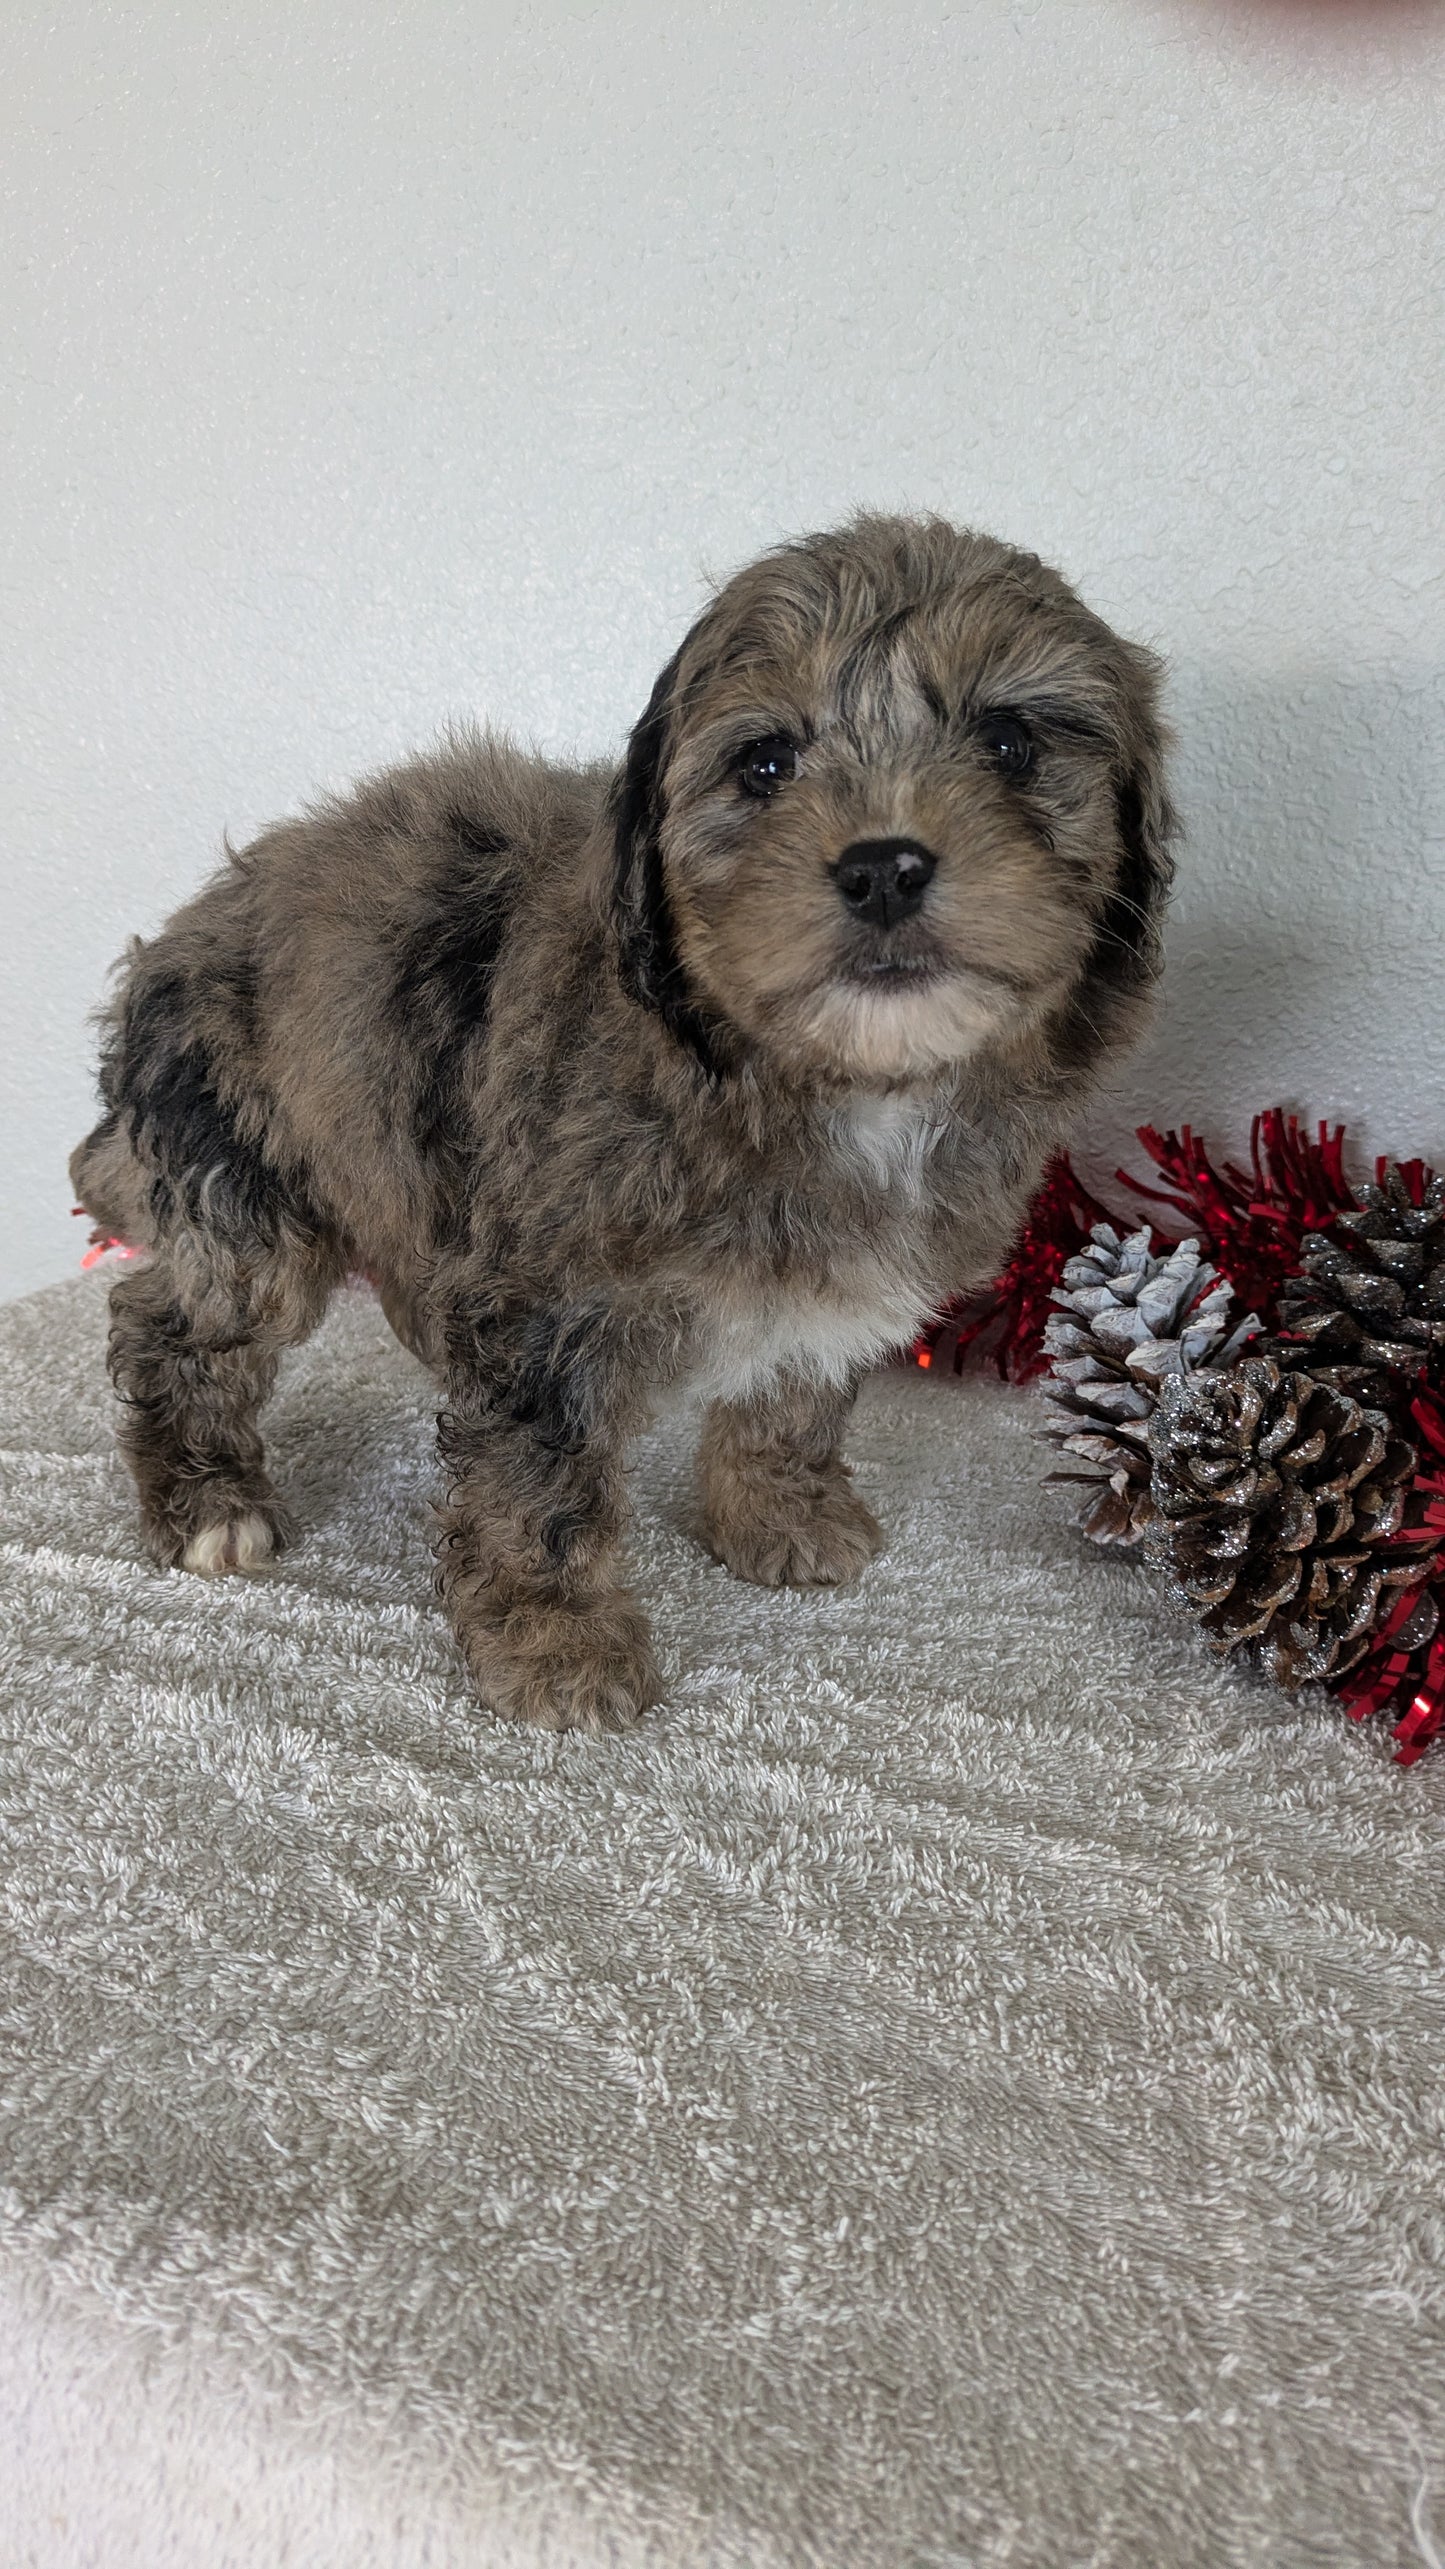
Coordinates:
1250 1223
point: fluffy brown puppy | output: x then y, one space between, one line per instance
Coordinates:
718 1070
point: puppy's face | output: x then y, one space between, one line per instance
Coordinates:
897 799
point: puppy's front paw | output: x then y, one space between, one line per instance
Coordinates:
241 1540
782 1534
566 1668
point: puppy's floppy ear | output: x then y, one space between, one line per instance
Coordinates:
1127 948
639 897
647 959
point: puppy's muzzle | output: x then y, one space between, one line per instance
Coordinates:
882 880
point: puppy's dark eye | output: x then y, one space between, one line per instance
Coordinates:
1009 743
767 764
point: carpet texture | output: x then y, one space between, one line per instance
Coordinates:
963 2085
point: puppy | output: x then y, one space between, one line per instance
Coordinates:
721 1069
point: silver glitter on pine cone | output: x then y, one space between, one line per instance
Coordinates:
1278 1502
1371 1298
1126 1322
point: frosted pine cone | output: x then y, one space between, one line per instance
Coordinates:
1278 1502
1125 1321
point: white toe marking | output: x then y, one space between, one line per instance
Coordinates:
239 1543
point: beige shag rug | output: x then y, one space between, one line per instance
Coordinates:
962 2086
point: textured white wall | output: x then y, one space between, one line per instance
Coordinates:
371 363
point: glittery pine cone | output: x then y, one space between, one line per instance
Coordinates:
1371 1298
1279 1502
1125 1321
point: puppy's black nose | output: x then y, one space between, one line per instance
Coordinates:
883 880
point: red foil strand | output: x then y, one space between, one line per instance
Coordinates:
1249 1221
1252 1220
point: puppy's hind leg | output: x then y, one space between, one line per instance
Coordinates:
778 1504
195 1340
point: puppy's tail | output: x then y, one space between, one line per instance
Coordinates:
108 1185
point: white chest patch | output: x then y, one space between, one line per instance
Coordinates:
866 1309
806 1336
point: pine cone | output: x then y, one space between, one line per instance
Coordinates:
1371 1298
1276 1496
1127 1319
